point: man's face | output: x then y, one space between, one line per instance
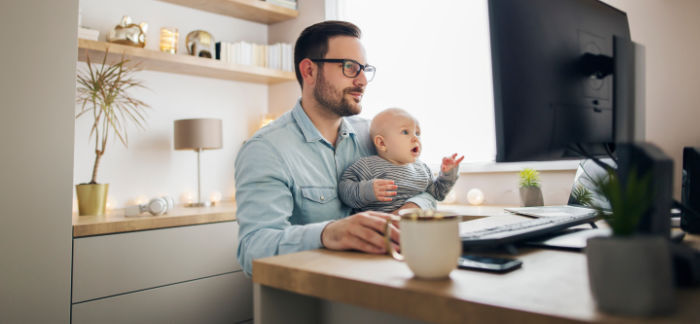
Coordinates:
333 90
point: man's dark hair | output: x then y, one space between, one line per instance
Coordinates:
313 41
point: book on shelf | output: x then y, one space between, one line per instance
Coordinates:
277 56
87 33
291 4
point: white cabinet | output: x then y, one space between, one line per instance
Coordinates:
176 275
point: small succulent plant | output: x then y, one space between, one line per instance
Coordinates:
529 178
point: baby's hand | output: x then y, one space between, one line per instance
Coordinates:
449 163
384 189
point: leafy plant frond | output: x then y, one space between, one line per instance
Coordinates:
103 90
629 202
582 195
529 178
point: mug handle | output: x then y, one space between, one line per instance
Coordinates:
387 239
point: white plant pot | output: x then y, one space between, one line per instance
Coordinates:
631 275
531 196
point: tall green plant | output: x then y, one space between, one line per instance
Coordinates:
629 202
102 91
529 178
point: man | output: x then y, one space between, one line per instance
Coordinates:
287 173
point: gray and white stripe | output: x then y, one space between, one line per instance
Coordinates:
355 187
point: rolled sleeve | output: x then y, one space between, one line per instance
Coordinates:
424 201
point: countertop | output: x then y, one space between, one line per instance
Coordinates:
115 221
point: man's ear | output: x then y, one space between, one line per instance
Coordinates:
308 71
379 143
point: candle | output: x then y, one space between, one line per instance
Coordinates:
215 197
168 40
187 197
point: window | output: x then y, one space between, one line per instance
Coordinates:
433 59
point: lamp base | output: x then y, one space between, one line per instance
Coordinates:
198 204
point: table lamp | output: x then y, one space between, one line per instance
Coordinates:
198 134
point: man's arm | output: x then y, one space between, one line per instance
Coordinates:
423 200
264 204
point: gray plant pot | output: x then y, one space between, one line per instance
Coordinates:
531 196
631 275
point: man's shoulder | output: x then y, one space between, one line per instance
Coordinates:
359 124
282 127
273 138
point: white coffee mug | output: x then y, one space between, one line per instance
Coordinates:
430 243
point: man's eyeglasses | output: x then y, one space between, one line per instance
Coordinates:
352 68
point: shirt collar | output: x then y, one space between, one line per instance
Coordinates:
311 133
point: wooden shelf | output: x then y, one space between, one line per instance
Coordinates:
115 221
181 64
254 10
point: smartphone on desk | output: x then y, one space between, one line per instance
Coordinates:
490 264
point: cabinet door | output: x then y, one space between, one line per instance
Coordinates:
219 299
119 263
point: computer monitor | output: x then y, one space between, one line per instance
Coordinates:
568 83
549 95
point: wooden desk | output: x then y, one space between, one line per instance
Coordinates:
329 286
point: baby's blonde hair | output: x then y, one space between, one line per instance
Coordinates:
379 121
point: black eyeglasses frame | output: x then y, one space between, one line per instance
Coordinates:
367 68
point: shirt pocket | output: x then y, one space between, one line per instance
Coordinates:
319 195
320 204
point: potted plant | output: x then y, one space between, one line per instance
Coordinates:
102 96
629 273
530 192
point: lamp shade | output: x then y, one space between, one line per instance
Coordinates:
198 134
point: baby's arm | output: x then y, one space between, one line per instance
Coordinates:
357 190
449 171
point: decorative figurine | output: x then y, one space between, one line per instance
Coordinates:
128 33
200 43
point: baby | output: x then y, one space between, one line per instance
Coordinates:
384 182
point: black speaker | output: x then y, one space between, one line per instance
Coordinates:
690 192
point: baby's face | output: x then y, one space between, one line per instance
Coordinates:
402 138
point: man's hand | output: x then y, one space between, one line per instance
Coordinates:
384 189
362 231
449 163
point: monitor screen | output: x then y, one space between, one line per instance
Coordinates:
545 101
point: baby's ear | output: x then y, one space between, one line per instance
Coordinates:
379 143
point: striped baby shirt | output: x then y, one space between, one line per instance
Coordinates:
355 187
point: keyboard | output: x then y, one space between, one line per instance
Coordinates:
511 233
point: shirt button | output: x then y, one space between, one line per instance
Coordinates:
323 198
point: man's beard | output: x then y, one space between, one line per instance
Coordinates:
327 96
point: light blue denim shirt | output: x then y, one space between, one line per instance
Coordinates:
286 184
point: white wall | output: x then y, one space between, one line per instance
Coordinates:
37 87
502 188
150 167
669 31
282 96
